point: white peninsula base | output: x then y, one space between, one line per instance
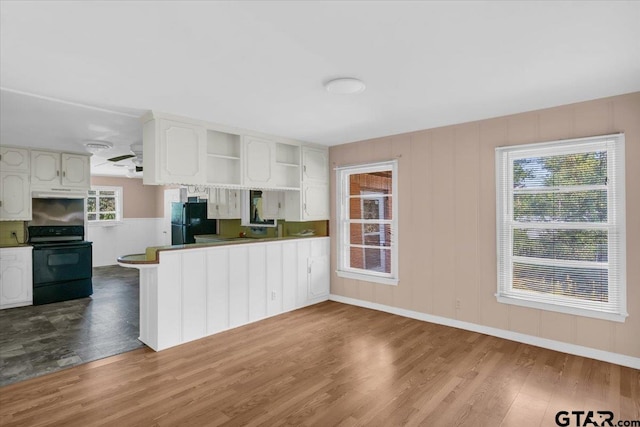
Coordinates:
193 293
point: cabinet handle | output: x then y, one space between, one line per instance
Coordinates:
57 173
64 173
304 168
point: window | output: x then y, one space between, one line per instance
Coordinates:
367 215
561 226
104 204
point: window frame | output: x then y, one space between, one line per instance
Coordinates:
119 206
615 310
343 197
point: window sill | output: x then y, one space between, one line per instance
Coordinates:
561 309
104 223
368 277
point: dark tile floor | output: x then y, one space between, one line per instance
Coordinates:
36 340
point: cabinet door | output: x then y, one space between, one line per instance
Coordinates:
259 155
223 197
76 171
223 204
14 159
213 205
182 153
45 169
318 277
315 165
272 202
233 207
315 202
15 278
15 199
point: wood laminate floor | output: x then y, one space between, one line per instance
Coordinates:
328 365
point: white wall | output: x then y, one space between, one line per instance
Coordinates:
131 236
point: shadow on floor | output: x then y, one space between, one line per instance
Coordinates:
36 340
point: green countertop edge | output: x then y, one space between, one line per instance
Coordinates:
147 258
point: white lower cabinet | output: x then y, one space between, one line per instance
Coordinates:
16 283
317 277
193 293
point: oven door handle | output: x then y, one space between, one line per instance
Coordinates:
74 246
61 247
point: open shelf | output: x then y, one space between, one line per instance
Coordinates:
223 158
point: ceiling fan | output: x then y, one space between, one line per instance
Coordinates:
135 156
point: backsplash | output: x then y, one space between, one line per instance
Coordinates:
6 227
232 227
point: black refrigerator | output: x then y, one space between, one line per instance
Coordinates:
188 220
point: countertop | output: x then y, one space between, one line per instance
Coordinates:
14 245
152 254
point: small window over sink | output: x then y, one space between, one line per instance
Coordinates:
104 205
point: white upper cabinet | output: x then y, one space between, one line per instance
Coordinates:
315 202
76 171
15 197
224 203
15 194
14 159
259 162
46 168
181 152
174 152
190 152
311 203
272 204
315 165
269 164
60 171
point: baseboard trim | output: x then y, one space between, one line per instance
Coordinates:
578 350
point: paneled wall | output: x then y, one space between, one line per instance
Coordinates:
447 230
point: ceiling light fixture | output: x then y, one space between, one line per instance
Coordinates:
345 86
97 146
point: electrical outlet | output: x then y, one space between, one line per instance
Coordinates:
273 295
457 304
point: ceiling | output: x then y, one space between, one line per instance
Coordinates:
77 71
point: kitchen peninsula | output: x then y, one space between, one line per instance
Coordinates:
191 291
194 290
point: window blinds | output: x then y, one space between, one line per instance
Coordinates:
560 226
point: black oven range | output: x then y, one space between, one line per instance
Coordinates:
61 263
